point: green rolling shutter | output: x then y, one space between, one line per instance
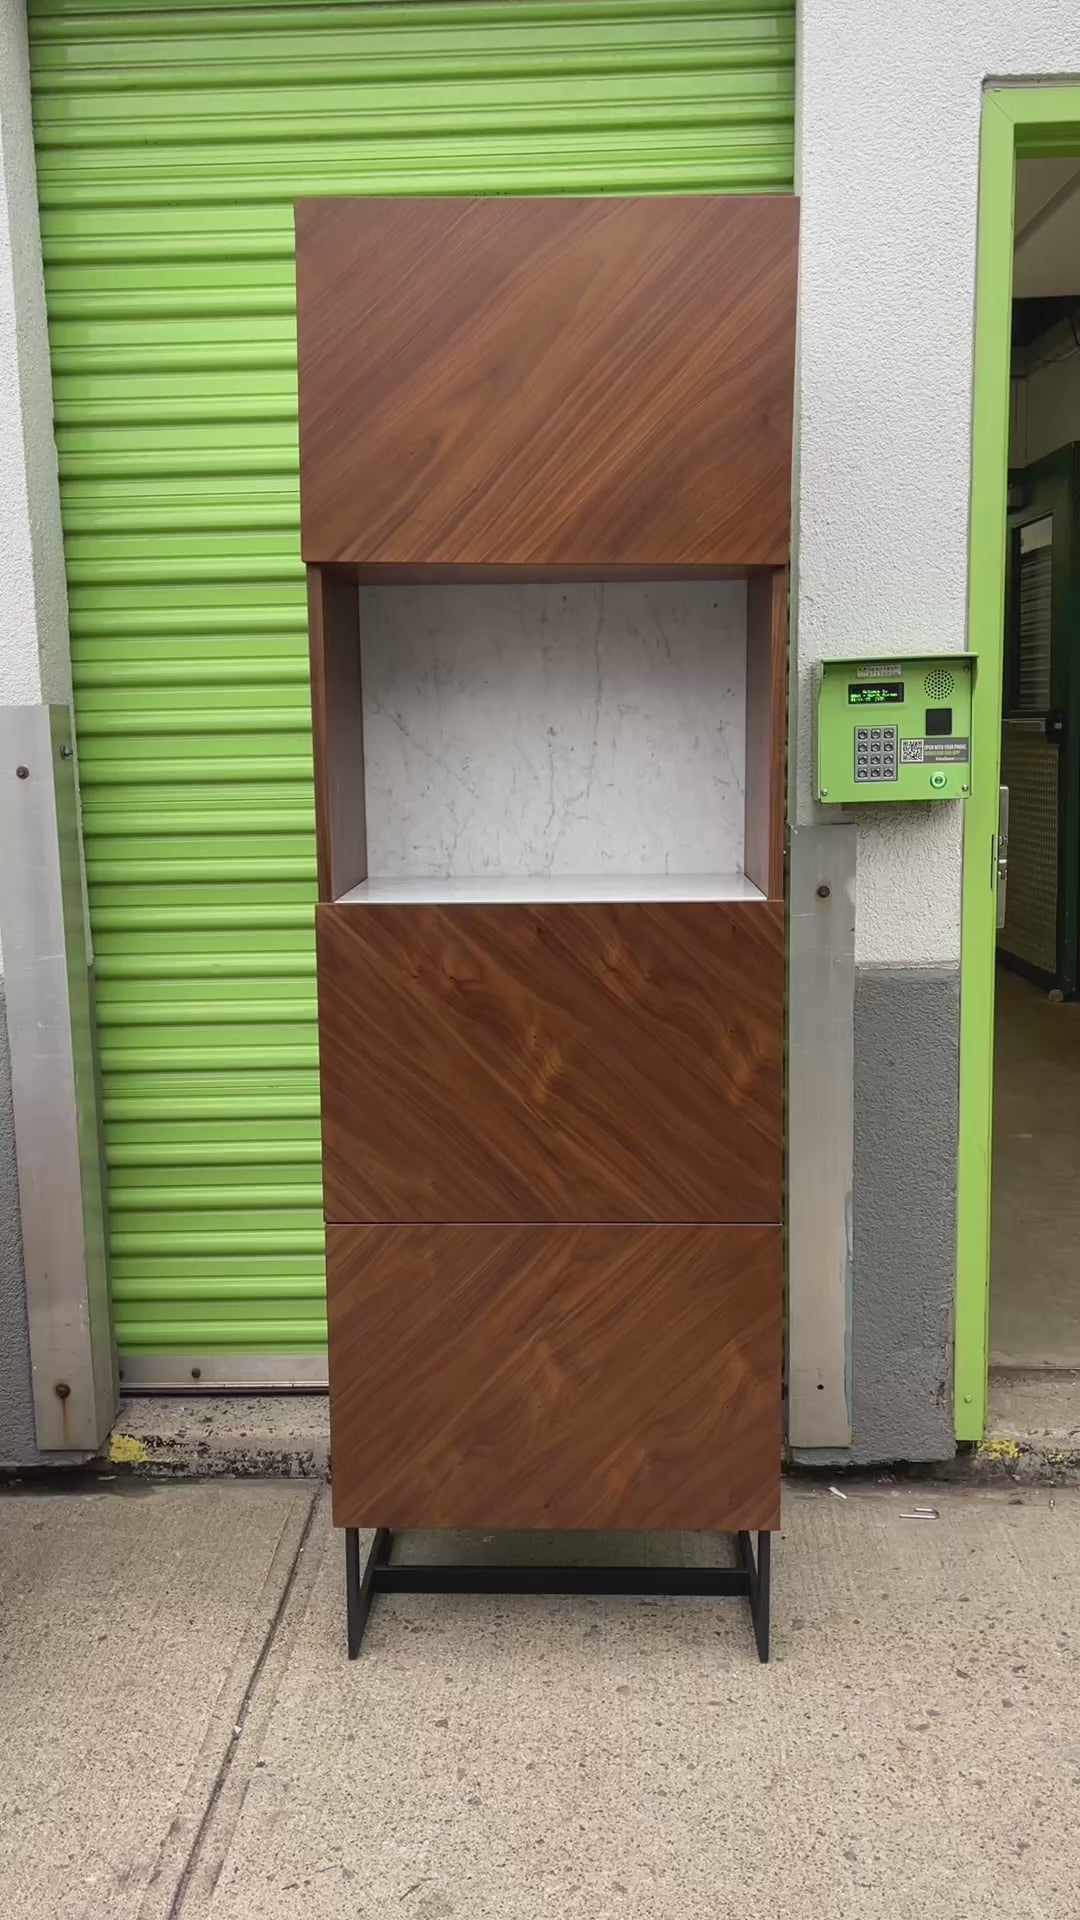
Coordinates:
172 141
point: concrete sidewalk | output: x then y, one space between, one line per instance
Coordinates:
181 1734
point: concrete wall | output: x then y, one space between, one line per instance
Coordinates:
888 150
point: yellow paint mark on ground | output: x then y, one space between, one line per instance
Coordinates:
1006 1451
126 1450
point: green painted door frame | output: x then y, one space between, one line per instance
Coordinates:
1017 123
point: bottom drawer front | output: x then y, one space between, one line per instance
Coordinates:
555 1376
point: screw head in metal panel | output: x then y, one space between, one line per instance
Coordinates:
62 1390
823 892
22 773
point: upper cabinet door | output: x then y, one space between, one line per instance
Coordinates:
546 384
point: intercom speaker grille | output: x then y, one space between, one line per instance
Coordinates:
939 684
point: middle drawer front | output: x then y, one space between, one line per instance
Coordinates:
614 1061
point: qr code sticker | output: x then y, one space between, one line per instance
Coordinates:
911 753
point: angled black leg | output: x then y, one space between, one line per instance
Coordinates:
353 1620
760 1594
359 1589
758 1573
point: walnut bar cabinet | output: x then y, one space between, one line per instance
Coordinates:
551 1099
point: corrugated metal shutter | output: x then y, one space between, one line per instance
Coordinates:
172 141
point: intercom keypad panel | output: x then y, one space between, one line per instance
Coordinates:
895 729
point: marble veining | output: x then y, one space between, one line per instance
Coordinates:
554 730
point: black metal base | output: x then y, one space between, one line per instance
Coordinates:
748 1580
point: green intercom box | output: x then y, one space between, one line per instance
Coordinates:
896 729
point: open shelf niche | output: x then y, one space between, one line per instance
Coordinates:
545 490
536 742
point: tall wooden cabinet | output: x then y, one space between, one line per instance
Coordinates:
552 1121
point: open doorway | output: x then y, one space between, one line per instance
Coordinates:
1035 1225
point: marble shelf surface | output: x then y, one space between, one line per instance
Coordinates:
548 889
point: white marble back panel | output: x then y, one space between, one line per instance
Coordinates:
575 729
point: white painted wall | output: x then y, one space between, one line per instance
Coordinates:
887 167
35 652
554 730
34 659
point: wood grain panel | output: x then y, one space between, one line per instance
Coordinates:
766 730
337 723
546 382
594 1376
423 573
554 1062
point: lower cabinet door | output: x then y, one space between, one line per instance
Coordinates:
555 1376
